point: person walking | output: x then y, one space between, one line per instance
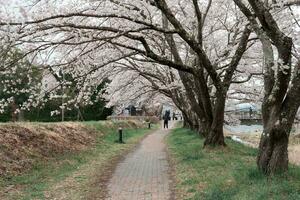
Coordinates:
174 116
166 119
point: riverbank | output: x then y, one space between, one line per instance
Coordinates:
224 173
72 174
252 138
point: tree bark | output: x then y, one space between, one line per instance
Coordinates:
278 121
216 134
277 116
273 153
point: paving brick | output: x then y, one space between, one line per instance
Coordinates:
143 174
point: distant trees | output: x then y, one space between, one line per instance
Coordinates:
95 110
20 80
22 98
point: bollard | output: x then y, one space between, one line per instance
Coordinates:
121 135
149 125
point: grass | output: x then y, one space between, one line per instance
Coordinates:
225 173
73 173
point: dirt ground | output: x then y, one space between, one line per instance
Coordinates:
21 144
294 149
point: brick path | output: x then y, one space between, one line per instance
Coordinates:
143 175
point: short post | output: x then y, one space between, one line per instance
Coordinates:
121 135
149 125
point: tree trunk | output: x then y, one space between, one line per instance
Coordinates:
14 107
273 153
278 115
216 134
273 148
187 123
282 98
204 128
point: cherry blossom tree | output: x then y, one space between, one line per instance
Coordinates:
186 37
281 77
196 53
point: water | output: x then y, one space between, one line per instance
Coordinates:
255 128
245 128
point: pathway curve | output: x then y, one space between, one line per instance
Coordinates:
144 173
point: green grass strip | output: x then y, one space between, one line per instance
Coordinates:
225 173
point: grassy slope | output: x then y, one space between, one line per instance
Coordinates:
71 176
228 173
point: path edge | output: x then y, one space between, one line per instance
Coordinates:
109 169
172 168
